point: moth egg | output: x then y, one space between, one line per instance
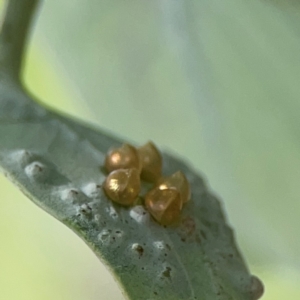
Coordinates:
124 157
123 186
164 205
151 162
179 182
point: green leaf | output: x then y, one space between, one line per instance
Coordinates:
57 163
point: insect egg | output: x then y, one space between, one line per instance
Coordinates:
124 157
123 186
164 205
179 182
151 162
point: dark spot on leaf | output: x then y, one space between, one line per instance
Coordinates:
140 250
73 192
85 209
39 168
167 272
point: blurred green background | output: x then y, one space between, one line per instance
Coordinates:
214 81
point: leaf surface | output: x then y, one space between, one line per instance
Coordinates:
57 162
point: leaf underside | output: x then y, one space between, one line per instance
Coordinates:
57 162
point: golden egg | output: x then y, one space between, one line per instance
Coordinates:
125 157
164 205
179 182
123 186
151 162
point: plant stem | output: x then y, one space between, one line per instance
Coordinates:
13 36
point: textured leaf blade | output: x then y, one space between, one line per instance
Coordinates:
56 162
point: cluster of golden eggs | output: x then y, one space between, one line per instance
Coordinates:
128 165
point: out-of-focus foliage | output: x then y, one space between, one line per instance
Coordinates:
128 60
